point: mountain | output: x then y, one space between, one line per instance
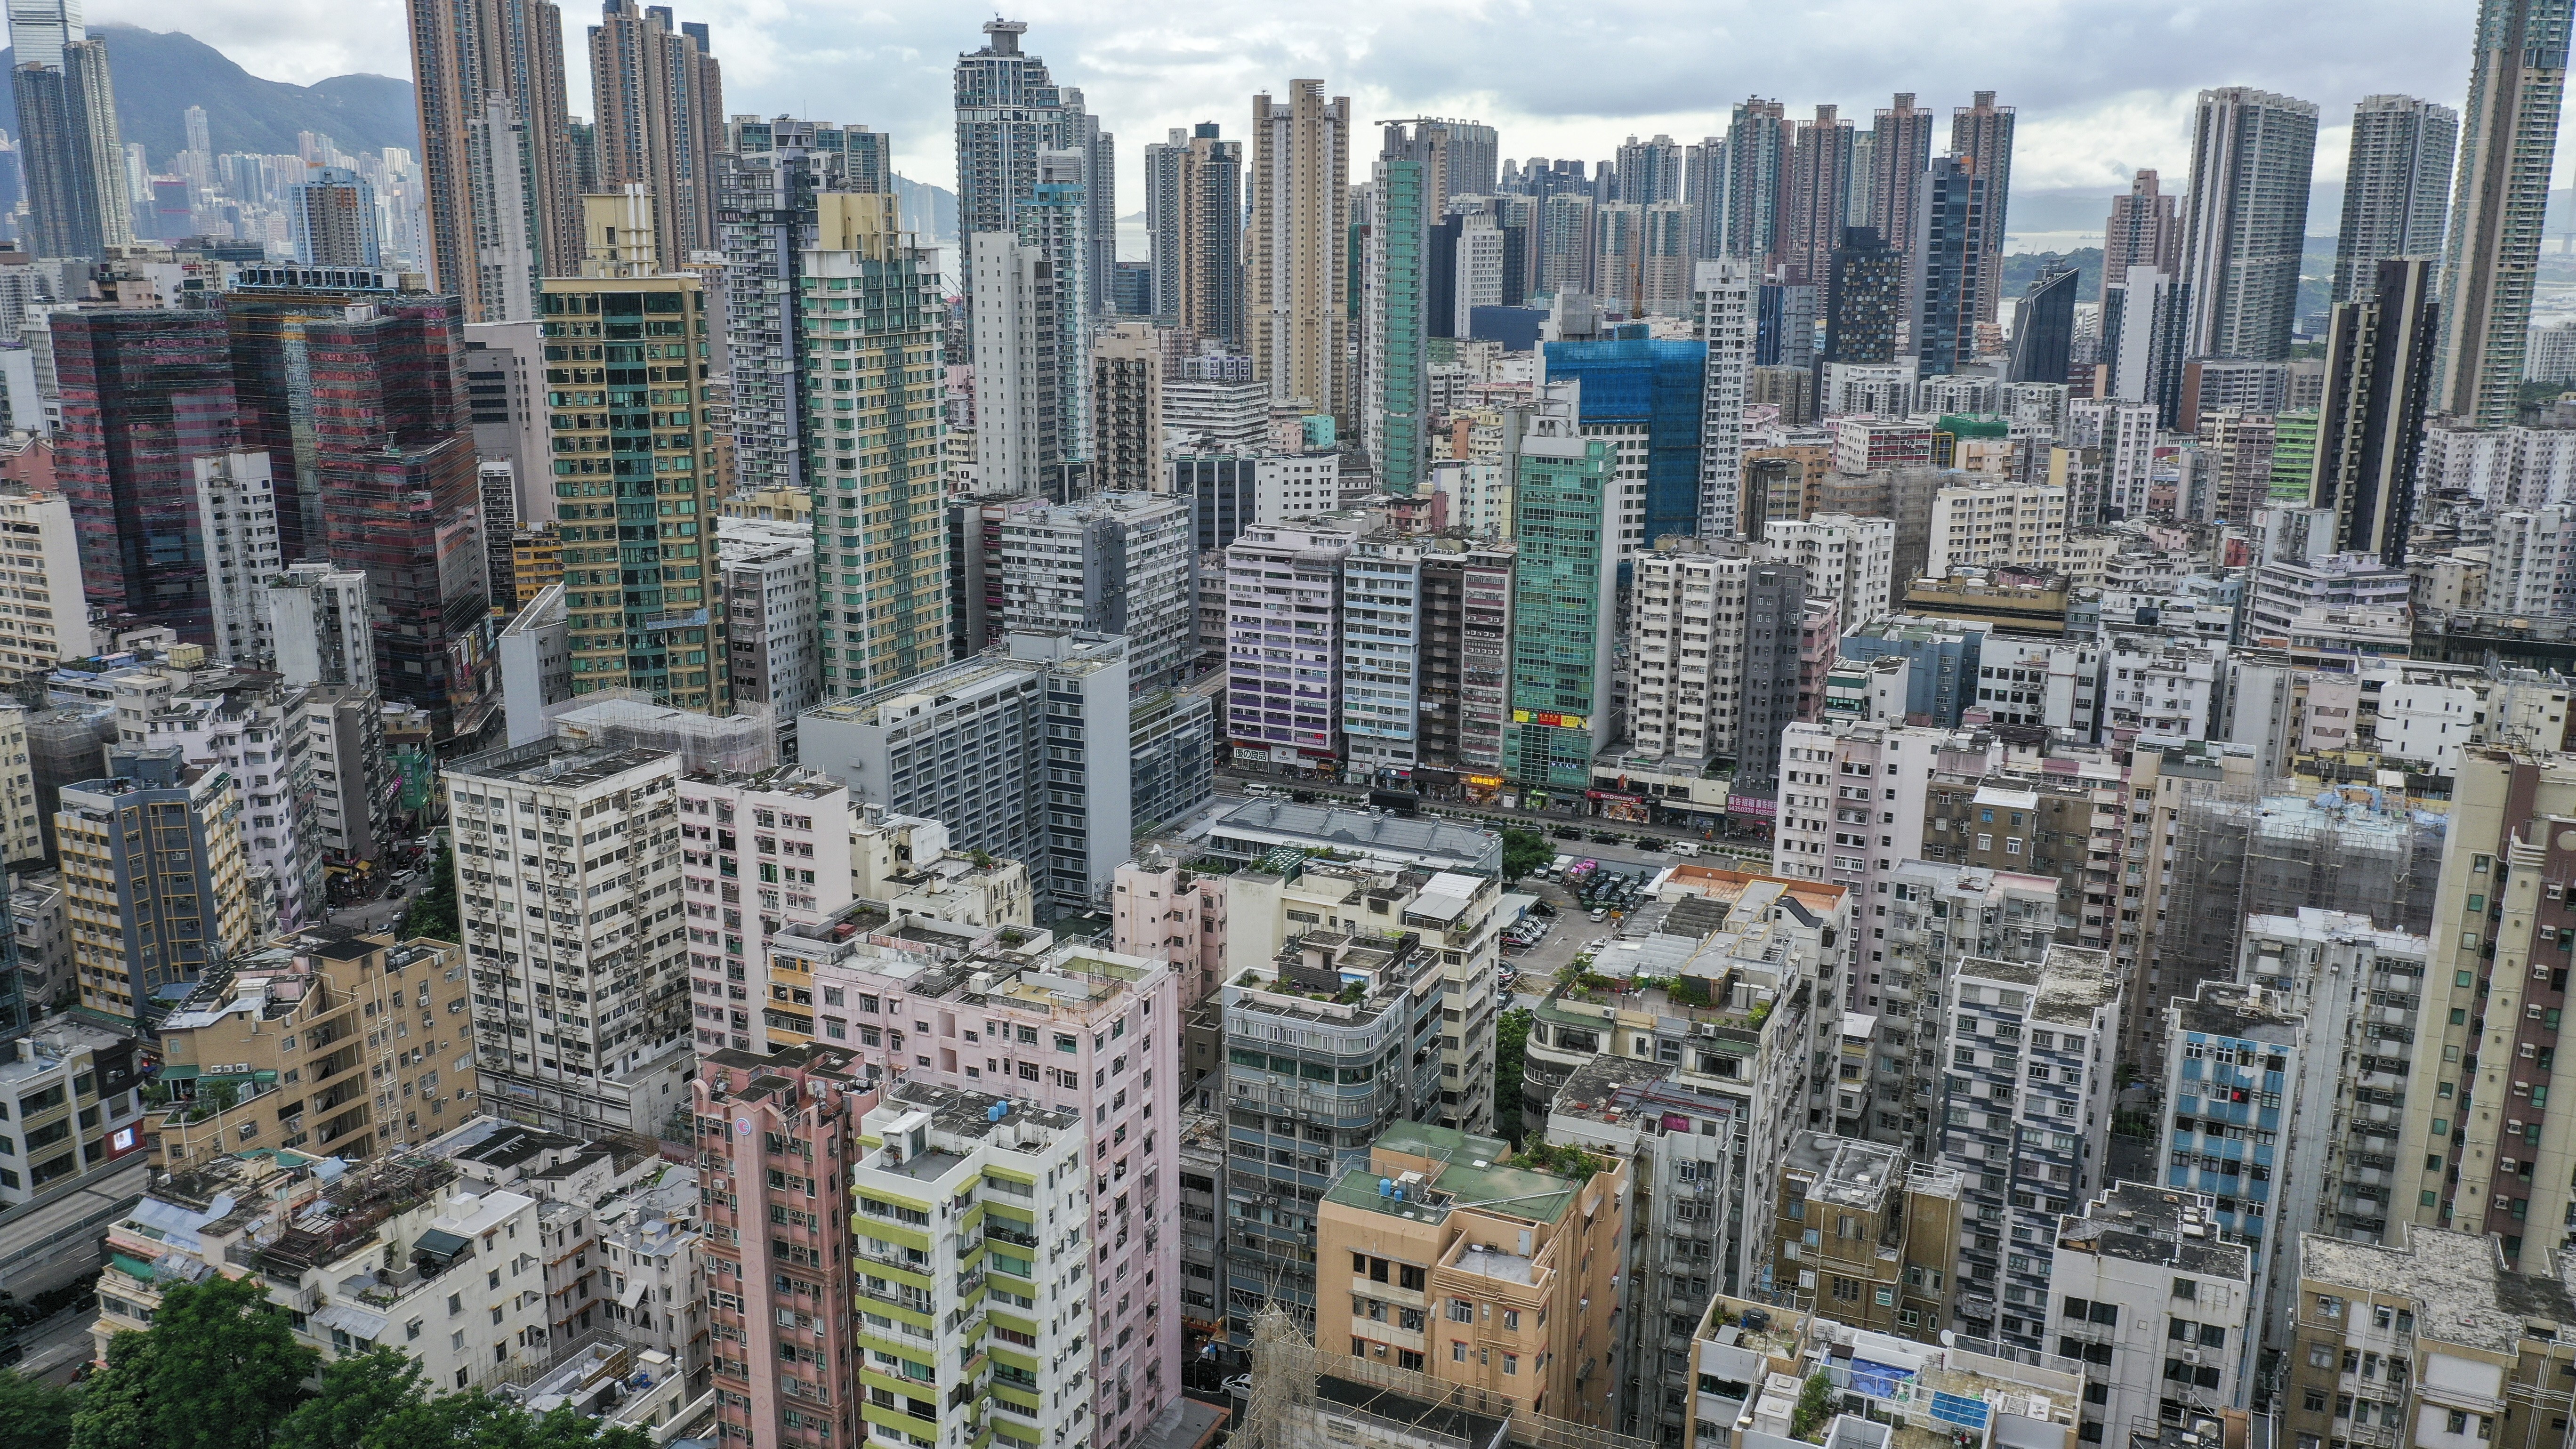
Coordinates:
930 210
159 75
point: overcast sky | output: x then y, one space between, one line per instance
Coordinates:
2102 88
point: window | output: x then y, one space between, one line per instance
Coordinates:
1512 1319
1511 1363
2186 1289
1457 1350
2458 1422
1461 1311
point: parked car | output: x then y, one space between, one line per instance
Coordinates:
1600 913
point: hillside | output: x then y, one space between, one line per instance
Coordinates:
160 74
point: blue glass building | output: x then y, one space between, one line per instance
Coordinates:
1657 383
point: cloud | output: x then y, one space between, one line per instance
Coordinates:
2101 88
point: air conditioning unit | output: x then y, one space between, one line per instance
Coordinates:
2191 1355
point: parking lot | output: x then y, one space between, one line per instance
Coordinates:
1573 931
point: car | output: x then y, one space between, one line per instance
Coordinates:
1600 913
1542 908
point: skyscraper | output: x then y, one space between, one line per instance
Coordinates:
1468 153
1297 289
2396 187
1650 171
1394 320
1946 267
1722 305
2143 231
2044 328
1564 595
1194 226
1758 167
2379 376
1982 134
2517 82
659 101
880 528
77 185
1009 110
1568 233
774 172
1865 297
357 392
144 391
1704 192
1900 152
2252 153
635 490
496 154
331 219
1819 193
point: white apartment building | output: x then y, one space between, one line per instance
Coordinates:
1931 919
344 730
1112 563
1382 653
2531 563
45 619
1990 523
2158 1308
318 625
1204 415
569 892
2124 434
1714 647
1283 623
1723 313
758 852
237 529
1879 389
258 729
1849 559
71 1090
2029 681
2030 1057
2160 689
770 599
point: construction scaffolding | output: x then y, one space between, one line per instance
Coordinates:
2364 850
620 718
66 746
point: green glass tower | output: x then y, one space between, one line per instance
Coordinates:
1564 597
1395 277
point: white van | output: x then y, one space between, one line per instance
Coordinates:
1684 847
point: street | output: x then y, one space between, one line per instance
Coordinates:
378 914
57 1347
54 1241
1541 820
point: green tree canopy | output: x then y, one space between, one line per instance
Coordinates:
433 911
34 1414
1524 851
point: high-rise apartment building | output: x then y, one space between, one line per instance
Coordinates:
1723 311
780 1132
2396 188
1865 297
236 508
1010 111
1760 147
1981 135
1704 195
569 893
1283 591
40 552
766 212
1714 648
2043 341
1991 523
871 319
1194 229
635 485
1946 267
72 157
1848 559
1113 563
2379 388
2029 1150
2159 1311
1395 291
1649 171
770 606
1900 152
1030 368
2252 152
496 154
1569 230
2517 82
2144 231
1820 184
154 881
657 102
331 220
1648 397
1297 278
760 852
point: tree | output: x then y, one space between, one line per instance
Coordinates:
219 1370
357 1394
1524 851
1511 1041
1814 1406
34 1414
433 911
475 1417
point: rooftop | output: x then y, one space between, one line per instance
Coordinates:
2159 1226
556 762
2464 1294
1468 1171
1843 1171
